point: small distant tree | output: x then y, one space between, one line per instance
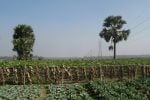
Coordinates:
23 41
112 31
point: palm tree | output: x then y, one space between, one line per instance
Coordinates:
112 31
23 41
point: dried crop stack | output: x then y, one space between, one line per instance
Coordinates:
65 74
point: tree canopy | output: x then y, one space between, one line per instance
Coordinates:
112 31
23 41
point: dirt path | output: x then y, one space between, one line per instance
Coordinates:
42 95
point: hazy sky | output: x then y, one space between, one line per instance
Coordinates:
70 28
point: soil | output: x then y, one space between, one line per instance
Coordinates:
42 95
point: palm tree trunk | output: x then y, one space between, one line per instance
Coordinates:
114 50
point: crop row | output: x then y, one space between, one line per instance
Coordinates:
67 92
73 62
134 90
63 74
19 92
94 90
101 90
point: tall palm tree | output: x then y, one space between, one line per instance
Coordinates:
112 31
23 41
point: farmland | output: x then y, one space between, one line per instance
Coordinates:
94 90
71 70
74 50
75 79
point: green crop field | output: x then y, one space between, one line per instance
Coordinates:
94 90
74 62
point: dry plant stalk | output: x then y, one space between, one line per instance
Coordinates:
15 75
2 78
47 74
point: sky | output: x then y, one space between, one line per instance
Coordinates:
70 28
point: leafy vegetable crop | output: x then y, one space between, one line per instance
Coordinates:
19 92
94 90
